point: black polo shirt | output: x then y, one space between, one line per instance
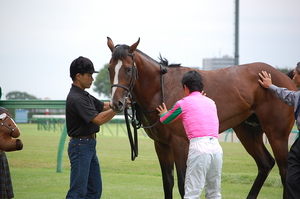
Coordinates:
81 108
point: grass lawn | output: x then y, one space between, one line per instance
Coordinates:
34 175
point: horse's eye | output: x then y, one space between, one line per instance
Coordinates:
128 70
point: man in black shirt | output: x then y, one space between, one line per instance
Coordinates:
84 114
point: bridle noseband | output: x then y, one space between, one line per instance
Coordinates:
6 126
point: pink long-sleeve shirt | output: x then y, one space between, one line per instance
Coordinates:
198 114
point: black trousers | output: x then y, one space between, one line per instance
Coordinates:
293 171
6 189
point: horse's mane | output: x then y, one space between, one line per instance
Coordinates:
165 62
120 52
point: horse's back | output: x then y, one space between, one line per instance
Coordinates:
245 76
238 94
278 78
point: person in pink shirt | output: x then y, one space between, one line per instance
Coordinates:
198 114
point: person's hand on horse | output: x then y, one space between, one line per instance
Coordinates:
265 79
162 109
128 102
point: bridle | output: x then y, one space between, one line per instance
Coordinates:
134 76
6 126
135 120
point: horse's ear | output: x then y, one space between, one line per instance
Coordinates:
2 116
133 47
110 44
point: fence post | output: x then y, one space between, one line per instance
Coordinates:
61 149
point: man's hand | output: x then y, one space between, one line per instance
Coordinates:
265 79
128 102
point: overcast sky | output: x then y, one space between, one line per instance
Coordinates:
40 38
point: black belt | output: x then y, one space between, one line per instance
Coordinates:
92 136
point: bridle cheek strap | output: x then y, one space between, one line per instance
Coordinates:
134 76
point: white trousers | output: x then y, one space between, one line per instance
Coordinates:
204 168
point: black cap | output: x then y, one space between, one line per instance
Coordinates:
81 65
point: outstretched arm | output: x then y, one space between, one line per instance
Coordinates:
265 79
104 117
289 97
169 116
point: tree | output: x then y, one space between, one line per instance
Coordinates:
102 82
17 95
284 70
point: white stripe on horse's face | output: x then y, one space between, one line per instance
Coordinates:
116 78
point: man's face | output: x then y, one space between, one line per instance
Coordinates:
296 78
86 80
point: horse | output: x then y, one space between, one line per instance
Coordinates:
241 102
9 130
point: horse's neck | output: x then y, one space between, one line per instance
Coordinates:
148 83
148 71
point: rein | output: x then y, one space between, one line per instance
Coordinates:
135 120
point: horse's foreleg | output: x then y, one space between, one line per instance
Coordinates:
166 161
180 153
251 138
8 144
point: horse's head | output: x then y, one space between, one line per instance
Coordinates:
9 130
123 73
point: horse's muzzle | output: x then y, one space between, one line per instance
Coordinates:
117 106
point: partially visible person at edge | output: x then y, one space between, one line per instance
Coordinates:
200 120
84 114
6 187
291 98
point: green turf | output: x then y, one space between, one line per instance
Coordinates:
34 175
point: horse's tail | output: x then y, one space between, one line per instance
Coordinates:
290 74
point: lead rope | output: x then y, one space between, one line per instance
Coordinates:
132 140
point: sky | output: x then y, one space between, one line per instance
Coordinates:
40 39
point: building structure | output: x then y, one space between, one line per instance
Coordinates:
217 63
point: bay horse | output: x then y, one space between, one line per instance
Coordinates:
9 130
242 104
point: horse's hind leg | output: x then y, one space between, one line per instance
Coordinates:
166 161
277 128
278 139
251 138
